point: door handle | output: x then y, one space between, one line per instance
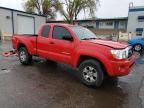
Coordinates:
51 42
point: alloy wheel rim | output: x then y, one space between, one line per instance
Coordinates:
23 56
90 74
137 47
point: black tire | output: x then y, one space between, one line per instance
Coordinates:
138 47
27 58
97 76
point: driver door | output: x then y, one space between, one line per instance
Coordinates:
61 45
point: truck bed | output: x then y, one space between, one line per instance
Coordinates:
29 40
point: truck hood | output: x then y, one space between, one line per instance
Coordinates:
111 44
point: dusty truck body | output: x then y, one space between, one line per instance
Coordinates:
78 47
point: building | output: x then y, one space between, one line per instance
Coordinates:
136 21
111 26
103 27
18 22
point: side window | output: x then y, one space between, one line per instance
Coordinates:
139 31
61 33
45 31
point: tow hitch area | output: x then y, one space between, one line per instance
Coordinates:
9 53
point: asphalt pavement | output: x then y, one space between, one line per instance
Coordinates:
46 84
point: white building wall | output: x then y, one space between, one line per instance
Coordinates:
5 21
133 22
39 20
9 18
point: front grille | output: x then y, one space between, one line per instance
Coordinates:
130 52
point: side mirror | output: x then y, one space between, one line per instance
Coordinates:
68 38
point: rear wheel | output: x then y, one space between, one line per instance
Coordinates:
138 47
91 73
24 57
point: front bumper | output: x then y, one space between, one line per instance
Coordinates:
122 68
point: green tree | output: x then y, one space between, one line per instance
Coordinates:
70 9
42 7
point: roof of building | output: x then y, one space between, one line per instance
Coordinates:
21 11
87 20
136 8
105 19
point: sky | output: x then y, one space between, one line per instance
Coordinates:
107 8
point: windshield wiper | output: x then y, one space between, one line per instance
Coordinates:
88 38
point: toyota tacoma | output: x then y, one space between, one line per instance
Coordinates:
79 47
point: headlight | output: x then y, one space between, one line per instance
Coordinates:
120 54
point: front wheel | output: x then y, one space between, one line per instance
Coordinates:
24 57
91 73
138 47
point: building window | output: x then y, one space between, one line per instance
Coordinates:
141 18
109 23
89 26
101 23
139 34
139 31
122 23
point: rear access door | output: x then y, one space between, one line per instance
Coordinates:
25 24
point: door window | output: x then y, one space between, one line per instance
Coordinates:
61 33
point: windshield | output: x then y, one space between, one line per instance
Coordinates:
83 33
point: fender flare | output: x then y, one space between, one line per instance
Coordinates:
101 58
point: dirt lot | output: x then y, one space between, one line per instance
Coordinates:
53 85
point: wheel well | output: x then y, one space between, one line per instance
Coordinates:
83 58
138 44
20 45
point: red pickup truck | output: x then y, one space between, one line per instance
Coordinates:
79 47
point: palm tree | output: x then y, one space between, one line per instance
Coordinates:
70 9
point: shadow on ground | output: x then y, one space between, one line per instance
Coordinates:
140 57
